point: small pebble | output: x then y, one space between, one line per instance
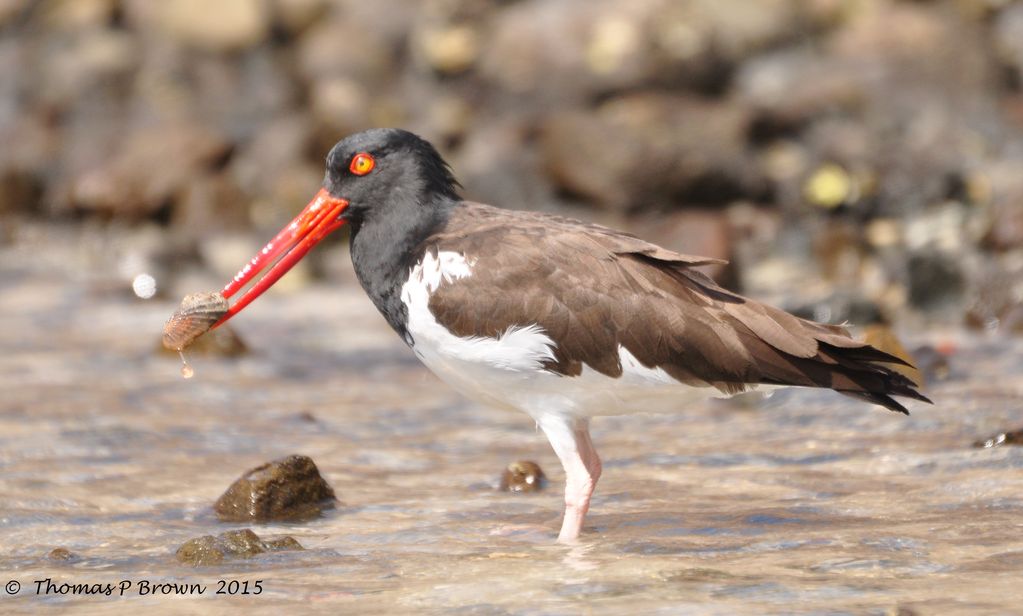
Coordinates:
287 489
523 476
61 555
1014 437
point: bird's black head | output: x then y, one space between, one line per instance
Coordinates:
387 183
384 168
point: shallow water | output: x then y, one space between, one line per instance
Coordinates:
804 502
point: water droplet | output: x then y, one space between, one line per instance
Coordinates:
186 369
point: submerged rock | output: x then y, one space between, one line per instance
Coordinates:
61 555
1015 437
936 279
932 363
523 476
210 550
290 488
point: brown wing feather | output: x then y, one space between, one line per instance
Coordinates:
592 289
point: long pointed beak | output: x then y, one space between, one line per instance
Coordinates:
313 223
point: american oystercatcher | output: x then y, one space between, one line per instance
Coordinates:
558 318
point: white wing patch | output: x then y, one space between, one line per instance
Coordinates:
523 348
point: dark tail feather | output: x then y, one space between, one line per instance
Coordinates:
857 371
865 353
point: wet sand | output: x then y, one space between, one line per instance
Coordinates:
804 502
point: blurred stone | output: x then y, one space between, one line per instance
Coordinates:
843 306
297 15
651 150
210 204
936 279
340 106
574 49
20 191
792 86
1008 38
210 550
77 14
225 25
540 47
9 9
449 50
272 171
90 63
497 164
1014 437
343 49
152 166
884 233
1003 182
932 364
290 488
523 476
996 300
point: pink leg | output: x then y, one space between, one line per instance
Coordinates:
571 441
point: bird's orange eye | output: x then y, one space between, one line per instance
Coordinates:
362 163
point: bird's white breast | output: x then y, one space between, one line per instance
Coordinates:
508 371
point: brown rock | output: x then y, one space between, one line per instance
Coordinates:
61 555
523 476
343 49
209 205
932 363
994 300
297 15
572 50
210 550
10 9
290 488
77 14
1001 183
1014 437
648 150
1008 38
448 50
225 25
151 166
936 279
497 164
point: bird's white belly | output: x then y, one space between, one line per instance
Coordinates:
508 371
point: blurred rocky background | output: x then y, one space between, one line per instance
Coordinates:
853 159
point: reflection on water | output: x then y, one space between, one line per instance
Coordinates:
804 502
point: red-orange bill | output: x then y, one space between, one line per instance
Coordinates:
313 223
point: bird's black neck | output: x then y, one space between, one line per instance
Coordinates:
385 248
